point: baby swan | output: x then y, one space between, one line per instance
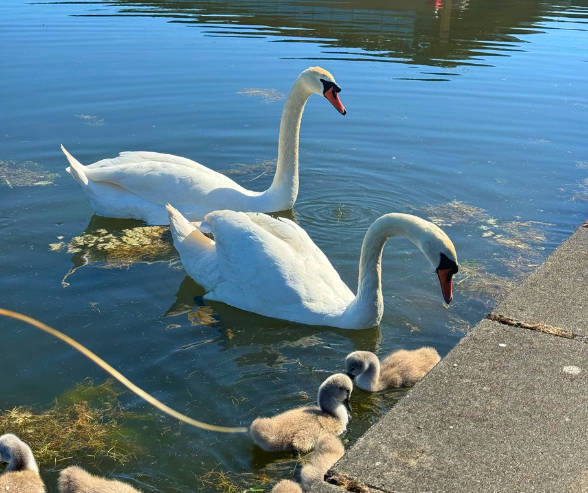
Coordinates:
287 486
75 480
298 430
328 450
396 370
22 473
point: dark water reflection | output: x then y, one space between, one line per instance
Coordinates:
494 151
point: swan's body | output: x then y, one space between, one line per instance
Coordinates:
22 472
328 450
75 480
272 267
137 185
298 430
398 369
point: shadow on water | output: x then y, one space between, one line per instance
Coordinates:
449 33
241 328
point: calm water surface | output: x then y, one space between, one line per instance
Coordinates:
470 113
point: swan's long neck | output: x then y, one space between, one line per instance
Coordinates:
284 189
368 305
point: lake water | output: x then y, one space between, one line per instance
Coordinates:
469 113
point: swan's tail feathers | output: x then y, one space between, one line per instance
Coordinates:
186 233
76 168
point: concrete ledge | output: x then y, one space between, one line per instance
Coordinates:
557 291
503 412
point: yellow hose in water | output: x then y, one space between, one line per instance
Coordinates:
100 362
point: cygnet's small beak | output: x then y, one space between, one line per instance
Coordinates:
346 404
445 278
331 95
352 376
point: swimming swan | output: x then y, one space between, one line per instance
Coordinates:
75 480
137 185
22 472
397 369
272 267
299 429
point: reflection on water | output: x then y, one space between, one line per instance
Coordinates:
441 33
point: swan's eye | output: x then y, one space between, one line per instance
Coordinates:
327 84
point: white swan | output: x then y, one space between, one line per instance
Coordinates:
272 267
137 185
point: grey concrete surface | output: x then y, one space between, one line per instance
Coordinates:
503 412
557 291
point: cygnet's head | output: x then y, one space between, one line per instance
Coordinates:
358 362
318 81
335 389
17 453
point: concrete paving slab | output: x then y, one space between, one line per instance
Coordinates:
505 411
324 487
557 291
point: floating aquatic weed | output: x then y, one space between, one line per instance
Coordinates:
203 315
24 174
226 482
86 420
522 235
581 194
455 212
458 324
477 283
268 95
265 167
91 121
119 248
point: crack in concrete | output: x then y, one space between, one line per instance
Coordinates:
347 482
538 327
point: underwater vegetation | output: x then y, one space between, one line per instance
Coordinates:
24 174
87 420
476 279
268 95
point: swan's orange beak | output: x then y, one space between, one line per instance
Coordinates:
331 95
445 276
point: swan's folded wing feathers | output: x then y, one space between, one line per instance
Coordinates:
159 179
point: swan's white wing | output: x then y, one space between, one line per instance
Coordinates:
271 266
161 178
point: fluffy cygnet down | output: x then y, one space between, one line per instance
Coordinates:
287 486
75 480
298 430
396 370
327 451
22 473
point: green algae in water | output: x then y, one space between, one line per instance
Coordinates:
268 95
24 174
87 420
